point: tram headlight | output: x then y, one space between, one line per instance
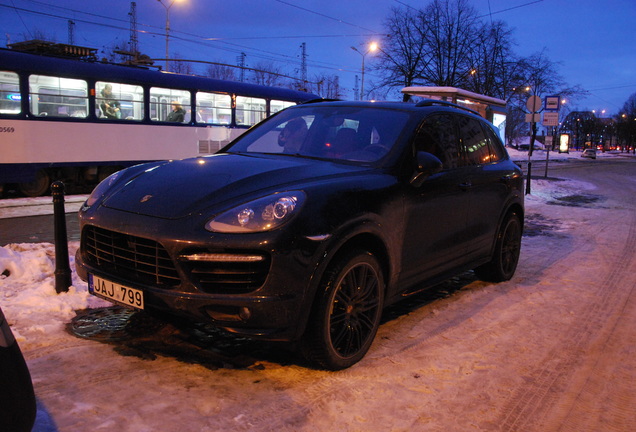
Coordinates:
263 214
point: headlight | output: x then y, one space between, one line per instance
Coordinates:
260 215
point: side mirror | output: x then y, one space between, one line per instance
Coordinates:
427 164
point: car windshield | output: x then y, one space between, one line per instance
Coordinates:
331 132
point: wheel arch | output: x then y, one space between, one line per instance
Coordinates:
363 239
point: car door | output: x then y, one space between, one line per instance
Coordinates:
487 187
435 212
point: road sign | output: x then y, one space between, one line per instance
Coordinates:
550 119
533 104
552 103
548 142
533 118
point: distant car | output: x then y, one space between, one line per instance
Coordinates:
589 153
311 222
17 399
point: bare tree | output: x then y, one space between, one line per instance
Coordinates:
626 125
221 71
402 56
536 75
449 30
326 86
442 45
266 73
39 35
113 53
541 74
178 65
494 70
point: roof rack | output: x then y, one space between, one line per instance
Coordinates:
320 100
431 102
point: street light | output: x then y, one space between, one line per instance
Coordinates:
167 27
373 46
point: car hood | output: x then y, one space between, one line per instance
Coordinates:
180 188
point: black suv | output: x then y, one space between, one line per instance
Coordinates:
309 224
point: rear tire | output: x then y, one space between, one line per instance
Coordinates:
346 312
506 255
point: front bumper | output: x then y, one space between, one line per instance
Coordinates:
276 309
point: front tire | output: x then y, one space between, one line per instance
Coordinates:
346 312
506 254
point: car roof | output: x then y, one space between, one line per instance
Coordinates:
424 105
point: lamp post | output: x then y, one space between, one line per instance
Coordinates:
373 46
167 27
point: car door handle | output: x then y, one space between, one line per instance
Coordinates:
466 185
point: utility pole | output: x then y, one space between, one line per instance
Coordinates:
303 66
134 45
241 64
356 90
71 31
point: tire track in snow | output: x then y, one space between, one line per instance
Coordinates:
531 404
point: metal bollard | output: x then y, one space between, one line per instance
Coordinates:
62 267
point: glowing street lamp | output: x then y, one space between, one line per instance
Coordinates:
171 2
373 46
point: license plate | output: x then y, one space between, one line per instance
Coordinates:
113 291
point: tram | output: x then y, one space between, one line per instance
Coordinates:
78 121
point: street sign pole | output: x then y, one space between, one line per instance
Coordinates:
533 105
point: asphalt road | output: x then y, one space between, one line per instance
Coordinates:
36 229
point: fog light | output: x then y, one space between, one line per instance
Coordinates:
245 314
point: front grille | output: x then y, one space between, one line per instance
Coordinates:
228 277
130 257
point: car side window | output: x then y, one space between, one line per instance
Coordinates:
497 151
474 142
437 135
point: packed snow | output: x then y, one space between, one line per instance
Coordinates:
471 356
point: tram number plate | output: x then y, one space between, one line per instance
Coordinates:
113 291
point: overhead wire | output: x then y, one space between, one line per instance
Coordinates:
198 39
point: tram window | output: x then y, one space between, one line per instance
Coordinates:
213 108
58 97
276 105
119 101
9 93
162 100
249 111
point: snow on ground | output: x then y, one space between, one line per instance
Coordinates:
476 357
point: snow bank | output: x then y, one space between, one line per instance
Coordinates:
28 297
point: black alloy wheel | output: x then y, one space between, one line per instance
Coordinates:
346 312
507 250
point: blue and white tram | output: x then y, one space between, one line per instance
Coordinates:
57 119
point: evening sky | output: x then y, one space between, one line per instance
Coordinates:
593 41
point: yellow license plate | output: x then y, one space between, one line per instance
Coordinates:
113 291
